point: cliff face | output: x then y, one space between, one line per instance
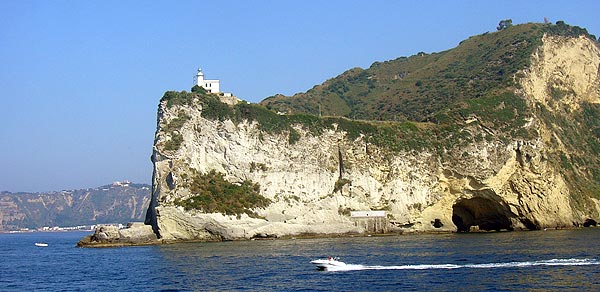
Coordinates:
487 180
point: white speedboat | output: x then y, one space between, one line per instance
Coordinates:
327 264
41 244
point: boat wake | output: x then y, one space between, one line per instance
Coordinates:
553 262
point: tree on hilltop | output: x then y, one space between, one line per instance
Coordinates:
505 23
198 89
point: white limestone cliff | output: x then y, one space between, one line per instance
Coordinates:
496 185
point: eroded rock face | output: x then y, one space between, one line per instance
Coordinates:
486 214
109 236
590 222
488 185
570 65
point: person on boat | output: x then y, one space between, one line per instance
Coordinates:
329 258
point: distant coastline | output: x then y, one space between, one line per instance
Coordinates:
80 228
81 209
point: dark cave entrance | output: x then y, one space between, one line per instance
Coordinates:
484 213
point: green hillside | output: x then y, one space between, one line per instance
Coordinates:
430 87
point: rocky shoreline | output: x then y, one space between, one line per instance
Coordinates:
111 236
138 234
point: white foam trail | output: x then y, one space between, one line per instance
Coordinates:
553 262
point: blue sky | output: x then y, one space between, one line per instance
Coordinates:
81 80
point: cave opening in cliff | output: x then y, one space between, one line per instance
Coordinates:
480 213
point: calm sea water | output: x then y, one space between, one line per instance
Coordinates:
509 261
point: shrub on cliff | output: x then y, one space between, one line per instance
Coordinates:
563 29
198 89
174 98
174 143
214 194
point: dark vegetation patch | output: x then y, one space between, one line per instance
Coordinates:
214 194
174 143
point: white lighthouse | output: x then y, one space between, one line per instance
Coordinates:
211 86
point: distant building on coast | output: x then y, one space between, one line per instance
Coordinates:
371 221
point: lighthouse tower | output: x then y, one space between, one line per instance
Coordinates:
211 86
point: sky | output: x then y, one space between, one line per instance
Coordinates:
80 81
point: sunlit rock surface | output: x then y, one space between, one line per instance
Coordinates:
488 185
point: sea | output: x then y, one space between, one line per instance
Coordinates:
554 260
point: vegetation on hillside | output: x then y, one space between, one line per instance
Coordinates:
394 136
424 87
214 194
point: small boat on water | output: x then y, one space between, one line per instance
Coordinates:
327 264
41 244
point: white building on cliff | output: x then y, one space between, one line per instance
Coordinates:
211 86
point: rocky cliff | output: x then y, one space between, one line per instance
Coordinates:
532 167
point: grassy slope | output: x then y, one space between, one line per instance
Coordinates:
420 87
